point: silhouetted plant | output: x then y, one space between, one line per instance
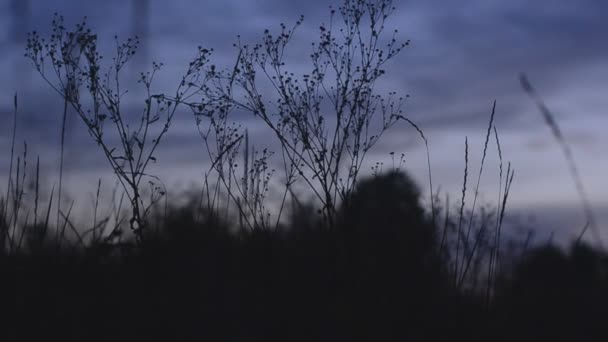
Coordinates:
324 151
72 57
3 227
6 210
549 119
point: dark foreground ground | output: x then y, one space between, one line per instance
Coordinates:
377 275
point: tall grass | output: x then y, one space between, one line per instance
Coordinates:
550 121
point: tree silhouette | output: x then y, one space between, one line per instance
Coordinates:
385 210
555 294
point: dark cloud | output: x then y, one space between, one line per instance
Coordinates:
474 50
460 49
464 55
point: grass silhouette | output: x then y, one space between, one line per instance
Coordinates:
378 274
196 279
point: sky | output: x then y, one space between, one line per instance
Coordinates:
463 55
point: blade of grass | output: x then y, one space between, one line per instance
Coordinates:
65 224
48 213
37 191
95 210
428 160
462 204
68 223
483 158
568 155
12 155
61 152
23 231
496 247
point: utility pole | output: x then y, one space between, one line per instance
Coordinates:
19 25
20 13
140 19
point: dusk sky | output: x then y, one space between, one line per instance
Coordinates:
463 55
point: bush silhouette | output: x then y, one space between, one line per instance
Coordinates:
388 205
384 221
556 294
391 251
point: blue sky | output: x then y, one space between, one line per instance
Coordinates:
463 56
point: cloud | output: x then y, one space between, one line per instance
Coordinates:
463 55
